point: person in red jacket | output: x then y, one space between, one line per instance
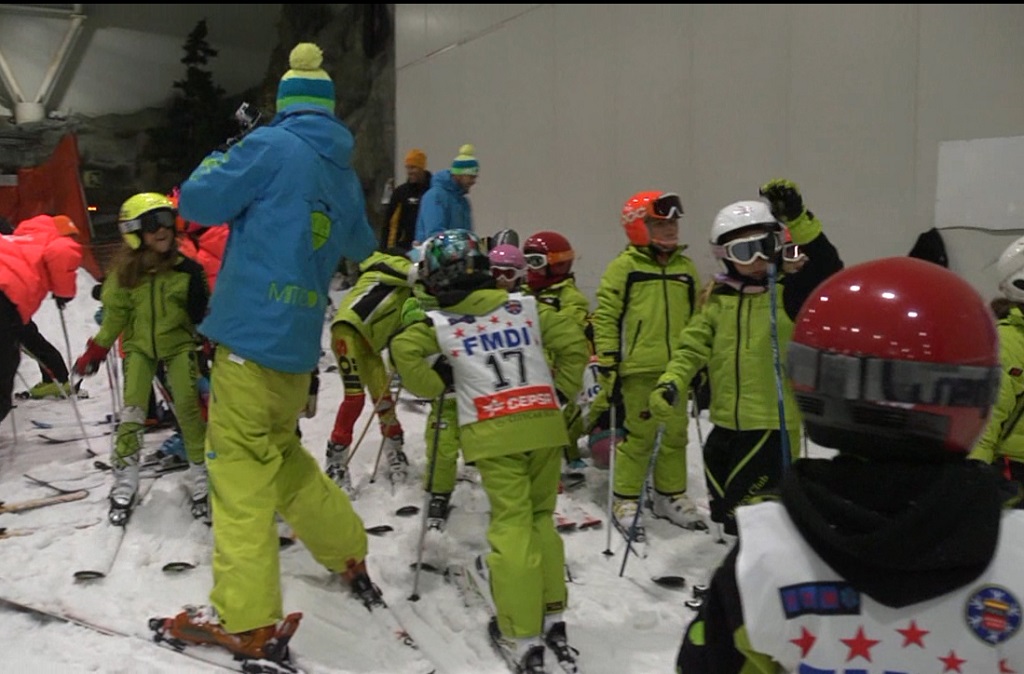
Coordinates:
40 258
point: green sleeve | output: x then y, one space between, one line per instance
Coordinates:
576 305
117 311
567 343
805 228
693 348
985 448
608 313
409 351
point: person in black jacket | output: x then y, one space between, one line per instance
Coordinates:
897 553
400 217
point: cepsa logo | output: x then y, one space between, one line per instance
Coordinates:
525 399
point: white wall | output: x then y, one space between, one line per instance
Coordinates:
574 108
128 57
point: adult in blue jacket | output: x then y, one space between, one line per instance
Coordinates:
444 205
294 207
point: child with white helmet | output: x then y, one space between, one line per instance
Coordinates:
738 334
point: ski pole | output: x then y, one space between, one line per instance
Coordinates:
611 475
415 596
695 411
74 393
643 493
376 404
773 313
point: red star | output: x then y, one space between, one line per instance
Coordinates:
952 663
1004 668
805 642
460 333
494 319
860 646
913 634
509 323
455 353
481 328
529 323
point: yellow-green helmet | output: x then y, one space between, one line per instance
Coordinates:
147 211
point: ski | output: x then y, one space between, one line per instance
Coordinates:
48 425
27 531
151 470
32 504
100 555
474 598
58 439
638 537
219 656
194 547
389 622
579 520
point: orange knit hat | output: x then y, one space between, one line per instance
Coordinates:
416 157
65 226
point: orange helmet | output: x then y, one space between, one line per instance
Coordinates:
650 204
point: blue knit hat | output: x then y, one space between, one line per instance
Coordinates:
306 83
466 164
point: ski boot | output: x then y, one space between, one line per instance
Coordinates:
677 509
124 490
437 512
558 644
398 464
365 589
49 389
337 457
525 656
200 491
198 625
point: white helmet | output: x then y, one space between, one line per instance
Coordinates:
739 215
1011 271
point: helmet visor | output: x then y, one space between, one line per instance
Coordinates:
150 221
746 250
666 207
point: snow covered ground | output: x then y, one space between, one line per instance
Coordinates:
621 624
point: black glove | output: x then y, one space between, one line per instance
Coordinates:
61 301
444 370
608 378
662 401
784 197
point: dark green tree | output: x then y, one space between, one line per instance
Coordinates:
198 116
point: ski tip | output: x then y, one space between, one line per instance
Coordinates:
671 582
407 511
177 567
379 530
87 574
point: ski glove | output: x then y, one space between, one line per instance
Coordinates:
444 370
784 197
90 361
662 401
61 301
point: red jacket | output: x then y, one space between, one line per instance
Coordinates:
37 260
211 251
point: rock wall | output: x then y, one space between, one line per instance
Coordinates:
358 45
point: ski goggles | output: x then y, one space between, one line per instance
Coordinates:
149 222
507 273
537 261
665 207
746 250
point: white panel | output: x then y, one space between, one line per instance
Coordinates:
981 184
411 24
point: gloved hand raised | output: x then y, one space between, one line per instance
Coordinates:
90 361
784 197
662 400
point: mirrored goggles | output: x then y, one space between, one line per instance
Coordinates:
507 273
744 251
150 221
879 380
541 260
666 207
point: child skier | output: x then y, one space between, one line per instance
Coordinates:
366 318
155 297
732 335
510 425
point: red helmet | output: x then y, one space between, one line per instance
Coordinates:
548 259
895 358
652 204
